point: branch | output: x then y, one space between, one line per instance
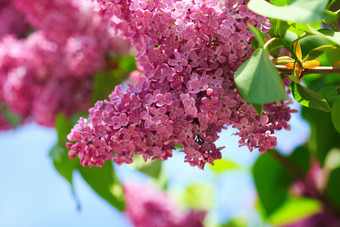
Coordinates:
321 69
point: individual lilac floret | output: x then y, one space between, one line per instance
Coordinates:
147 206
186 93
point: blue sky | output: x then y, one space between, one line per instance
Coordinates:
33 194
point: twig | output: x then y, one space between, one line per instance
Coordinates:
321 69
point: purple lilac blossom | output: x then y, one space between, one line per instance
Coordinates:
11 20
201 44
147 206
51 71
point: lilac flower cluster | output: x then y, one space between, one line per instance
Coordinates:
11 20
51 70
188 52
146 206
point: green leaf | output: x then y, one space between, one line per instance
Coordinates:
333 186
103 85
326 33
105 183
59 153
300 11
301 158
323 135
223 165
279 2
293 210
293 78
62 163
258 108
331 94
336 116
309 98
12 118
316 52
150 168
198 196
258 81
271 182
260 37
332 160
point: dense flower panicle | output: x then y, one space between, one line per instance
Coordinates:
146 207
51 70
11 20
188 52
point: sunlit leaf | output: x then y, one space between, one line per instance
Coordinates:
328 34
301 11
222 165
258 81
199 196
332 160
293 210
316 52
308 97
279 2
260 37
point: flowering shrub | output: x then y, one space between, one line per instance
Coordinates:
188 52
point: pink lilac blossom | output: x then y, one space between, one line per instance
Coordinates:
11 20
147 206
51 71
188 52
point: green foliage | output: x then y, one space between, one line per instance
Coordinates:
12 118
327 34
293 210
332 160
260 37
308 97
317 52
333 186
272 182
300 11
331 93
323 135
59 153
223 165
198 196
301 158
105 81
105 183
258 81
150 168
336 116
